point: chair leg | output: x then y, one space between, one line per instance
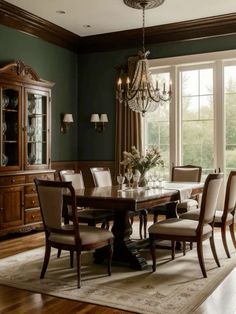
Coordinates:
109 260
58 253
173 250
191 245
140 226
184 248
46 260
224 240
153 254
103 226
71 259
78 257
213 249
200 258
145 224
231 228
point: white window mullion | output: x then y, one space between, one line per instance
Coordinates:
174 119
219 116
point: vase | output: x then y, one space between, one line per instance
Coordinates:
143 180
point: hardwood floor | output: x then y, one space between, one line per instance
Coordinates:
17 301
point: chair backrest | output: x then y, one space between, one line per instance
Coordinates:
76 179
188 173
50 194
101 177
230 195
67 171
209 198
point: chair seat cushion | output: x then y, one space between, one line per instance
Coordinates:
188 204
219 214
88 235
178 227
194 215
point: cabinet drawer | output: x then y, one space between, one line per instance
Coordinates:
32 216
12 180
41 176
30 189
31 201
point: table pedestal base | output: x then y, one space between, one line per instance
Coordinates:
125 251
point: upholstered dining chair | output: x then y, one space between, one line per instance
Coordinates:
86 215
101 178
177 229
70 237
187 173
225 217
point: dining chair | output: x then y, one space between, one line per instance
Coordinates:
73 237
101 178
90 216
225 217
187 230
187 173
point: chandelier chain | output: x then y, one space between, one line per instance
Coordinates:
143 6
140 93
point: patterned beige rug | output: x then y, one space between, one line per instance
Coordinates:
176 287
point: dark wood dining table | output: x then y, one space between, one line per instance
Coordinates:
121 202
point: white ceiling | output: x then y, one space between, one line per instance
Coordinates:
106 16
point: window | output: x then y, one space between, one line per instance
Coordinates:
197 117
157 126
230 117
199 125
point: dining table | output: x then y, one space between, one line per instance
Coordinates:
121 202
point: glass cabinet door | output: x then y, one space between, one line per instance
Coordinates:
36 129
10 127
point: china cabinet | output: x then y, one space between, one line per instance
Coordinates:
25 142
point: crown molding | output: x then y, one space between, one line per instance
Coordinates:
22 20
199 28
15 17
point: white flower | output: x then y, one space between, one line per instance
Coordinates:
135 160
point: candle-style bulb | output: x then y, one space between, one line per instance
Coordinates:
119 82
127 82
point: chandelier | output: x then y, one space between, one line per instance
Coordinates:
141 95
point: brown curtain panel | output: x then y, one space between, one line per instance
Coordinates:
128 125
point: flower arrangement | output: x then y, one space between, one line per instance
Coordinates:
136 161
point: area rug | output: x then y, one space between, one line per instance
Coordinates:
176 287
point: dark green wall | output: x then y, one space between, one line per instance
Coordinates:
85 84
96 88
51 63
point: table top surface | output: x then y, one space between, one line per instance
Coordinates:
169 189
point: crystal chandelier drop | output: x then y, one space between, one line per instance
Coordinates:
140 94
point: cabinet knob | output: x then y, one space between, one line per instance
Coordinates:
1 209
33 190
13 180
32 216
33 202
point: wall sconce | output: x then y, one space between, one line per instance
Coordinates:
99 121
66 120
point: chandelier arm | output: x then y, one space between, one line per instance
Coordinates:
131 97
